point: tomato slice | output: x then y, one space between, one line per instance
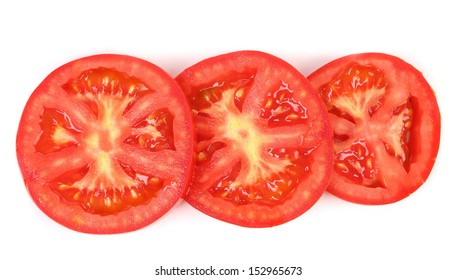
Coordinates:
264 144
105 144
386 125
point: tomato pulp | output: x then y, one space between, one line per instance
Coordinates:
264 144
105 144
386 125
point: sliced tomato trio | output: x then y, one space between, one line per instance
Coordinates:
110 143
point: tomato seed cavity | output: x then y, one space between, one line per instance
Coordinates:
280 108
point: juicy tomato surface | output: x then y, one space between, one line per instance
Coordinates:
386 125
106 143
264 144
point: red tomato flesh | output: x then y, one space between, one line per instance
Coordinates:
264 145
386 126
105 144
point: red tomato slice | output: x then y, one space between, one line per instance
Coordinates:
386 125
264 144
105 144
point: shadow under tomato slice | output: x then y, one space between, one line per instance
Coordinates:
105 144
264 146
386 126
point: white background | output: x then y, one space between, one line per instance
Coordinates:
413 238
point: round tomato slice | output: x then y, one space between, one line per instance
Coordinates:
264 144
105 144
386 126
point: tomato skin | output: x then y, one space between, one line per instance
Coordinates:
400 171
249 107
48 171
